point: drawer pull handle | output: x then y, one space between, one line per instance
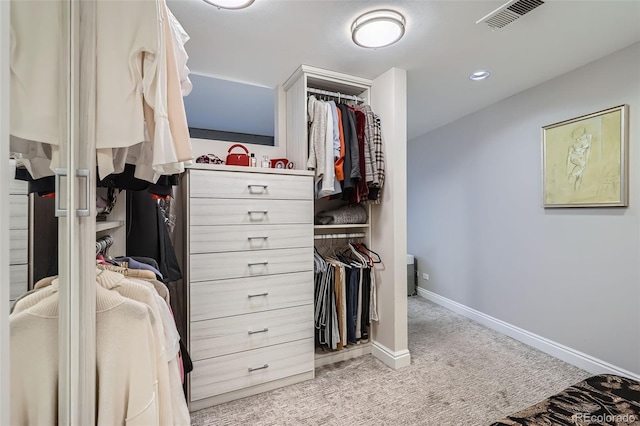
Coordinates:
258 212
264 330
257 263
264 187
258 238
258 295
258 368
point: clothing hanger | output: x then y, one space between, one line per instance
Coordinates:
364 262
378 259
360 250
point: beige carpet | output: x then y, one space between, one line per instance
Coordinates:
461 373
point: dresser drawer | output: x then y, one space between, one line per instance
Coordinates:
19 187
214 239
223 336
18 212
215 376
16 186
206 211
17 280
205 184
216 299
18 244
254 263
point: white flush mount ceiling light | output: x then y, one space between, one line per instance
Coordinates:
378 28
230 4
479 75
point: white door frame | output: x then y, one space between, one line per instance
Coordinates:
77 235
4 213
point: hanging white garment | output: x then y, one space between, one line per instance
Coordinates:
175 104
317 116
329 172
38 83
38 64
180 38
129 69
128 81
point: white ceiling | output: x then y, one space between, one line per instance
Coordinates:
266 42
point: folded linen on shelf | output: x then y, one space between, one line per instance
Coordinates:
348 214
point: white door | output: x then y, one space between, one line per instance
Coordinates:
39 48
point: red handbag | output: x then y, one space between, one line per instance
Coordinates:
238 159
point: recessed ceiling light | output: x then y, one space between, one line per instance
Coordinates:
378 28
479 75
230 4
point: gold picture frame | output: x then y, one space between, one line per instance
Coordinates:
584 160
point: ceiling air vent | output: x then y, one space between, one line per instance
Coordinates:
509 12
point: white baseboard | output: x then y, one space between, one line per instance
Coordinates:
393 359
579 359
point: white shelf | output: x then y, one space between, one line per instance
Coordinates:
344 226
327 357
109 224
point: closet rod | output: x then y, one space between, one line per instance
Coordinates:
335 94
336 236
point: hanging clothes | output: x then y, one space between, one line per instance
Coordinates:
148 236
344 295
127 382
354 136
321 146
162 403
140 117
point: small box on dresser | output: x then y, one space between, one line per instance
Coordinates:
249 273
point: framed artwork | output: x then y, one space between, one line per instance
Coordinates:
584 160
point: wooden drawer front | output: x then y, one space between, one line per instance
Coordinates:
214 239
18 281
254 263
18 212
18 243
217 299
215 376
205 211
205 184
240 333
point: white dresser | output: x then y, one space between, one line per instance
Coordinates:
18 235
249 274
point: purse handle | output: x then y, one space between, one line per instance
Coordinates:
238 146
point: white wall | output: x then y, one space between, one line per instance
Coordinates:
389 229
477 226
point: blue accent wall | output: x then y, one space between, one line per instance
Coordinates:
224 105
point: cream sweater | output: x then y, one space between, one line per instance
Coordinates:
172 405
126 363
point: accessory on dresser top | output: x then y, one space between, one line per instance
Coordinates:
209 159
236 159
281 163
